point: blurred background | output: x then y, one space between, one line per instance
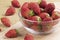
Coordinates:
53 0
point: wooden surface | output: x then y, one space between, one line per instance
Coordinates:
4 4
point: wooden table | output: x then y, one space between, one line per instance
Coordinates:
4 4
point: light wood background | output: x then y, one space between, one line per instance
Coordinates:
4 4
